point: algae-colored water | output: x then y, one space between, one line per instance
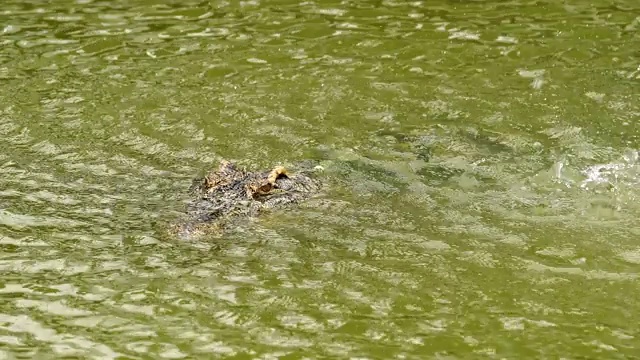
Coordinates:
480 158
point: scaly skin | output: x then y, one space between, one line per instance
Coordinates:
228 195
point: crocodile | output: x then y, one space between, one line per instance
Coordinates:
229 195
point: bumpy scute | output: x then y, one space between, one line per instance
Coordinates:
230 195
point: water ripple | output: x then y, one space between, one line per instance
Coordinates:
479 160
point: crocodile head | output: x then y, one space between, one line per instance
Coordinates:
226 197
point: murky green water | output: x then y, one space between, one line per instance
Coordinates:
466 217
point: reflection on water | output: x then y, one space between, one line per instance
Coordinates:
481 161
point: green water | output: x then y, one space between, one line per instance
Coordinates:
460 221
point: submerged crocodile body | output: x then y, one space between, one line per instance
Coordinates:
229 194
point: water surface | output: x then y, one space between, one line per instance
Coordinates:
480 159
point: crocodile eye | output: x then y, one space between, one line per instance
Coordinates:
265 188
